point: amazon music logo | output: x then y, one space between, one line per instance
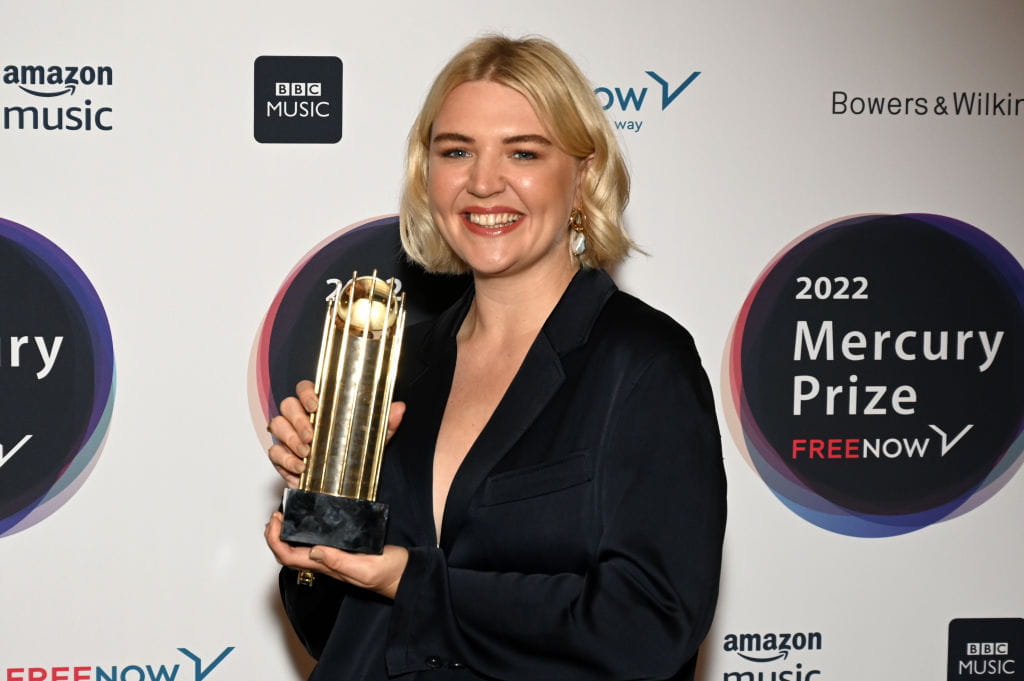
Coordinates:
49 97
774 653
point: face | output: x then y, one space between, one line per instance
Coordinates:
500 190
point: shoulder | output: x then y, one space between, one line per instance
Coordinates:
432 332
629 327
641 350
415 335
657 363
415 355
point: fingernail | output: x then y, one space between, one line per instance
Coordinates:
304 451
310 405
316 554
307 435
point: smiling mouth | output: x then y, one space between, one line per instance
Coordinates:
493 220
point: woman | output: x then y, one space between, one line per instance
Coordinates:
556 486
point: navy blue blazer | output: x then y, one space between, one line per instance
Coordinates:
582 535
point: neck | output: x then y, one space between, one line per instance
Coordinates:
511 307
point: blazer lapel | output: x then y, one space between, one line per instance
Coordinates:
419 428
428 389
536 382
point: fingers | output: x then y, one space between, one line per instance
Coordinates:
289 452
293 433
285 553
395 417
295 557
288 466
300 557
306 394
381 574
297 418
294 439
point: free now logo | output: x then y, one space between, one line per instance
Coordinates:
200 670
837 448
626 100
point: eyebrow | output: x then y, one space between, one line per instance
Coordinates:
450 137
515 139
526 139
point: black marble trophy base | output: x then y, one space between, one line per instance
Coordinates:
354 525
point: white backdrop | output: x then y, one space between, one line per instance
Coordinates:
187 226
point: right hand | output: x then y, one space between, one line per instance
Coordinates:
294 432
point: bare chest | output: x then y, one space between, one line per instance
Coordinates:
478 385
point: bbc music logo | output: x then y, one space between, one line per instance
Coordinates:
989 648
305 102
297 100
298 89
984 648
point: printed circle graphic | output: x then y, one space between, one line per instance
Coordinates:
289 337
57 373
875 372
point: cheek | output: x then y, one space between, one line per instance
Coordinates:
557 189
440 199
442 187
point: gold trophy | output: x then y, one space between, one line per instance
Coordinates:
335 504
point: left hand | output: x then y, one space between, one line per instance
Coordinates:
380 574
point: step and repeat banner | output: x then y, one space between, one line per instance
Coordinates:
828 196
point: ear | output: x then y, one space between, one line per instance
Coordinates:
581 172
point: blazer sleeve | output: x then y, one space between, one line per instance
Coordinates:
642 608
312 610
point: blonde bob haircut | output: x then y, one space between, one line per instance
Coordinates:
566 106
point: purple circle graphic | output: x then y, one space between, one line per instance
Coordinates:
57 377
290 334
875 372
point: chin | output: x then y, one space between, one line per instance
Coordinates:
488 263
489 269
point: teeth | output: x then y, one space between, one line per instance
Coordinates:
493 219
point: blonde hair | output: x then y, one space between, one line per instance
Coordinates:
566 105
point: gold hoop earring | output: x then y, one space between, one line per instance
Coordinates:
578 238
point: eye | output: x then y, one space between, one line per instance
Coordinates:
455 152
524 155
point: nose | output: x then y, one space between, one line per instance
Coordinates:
486 177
